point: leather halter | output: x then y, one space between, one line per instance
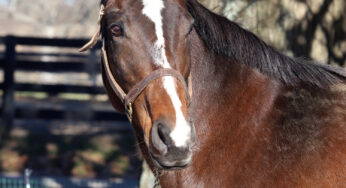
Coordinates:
129 98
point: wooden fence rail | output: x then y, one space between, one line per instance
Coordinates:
10 63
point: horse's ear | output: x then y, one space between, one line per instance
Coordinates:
92 41
96 36
116 102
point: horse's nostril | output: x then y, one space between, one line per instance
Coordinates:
160 137
164 132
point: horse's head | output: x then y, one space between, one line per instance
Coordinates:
143 36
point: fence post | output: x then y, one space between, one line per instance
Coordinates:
92 60
8 87
90 67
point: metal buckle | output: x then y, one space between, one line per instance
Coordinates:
129 111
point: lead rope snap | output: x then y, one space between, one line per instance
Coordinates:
158 173
129 111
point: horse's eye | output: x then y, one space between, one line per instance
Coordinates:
117 30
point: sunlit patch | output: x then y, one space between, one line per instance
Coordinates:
339 87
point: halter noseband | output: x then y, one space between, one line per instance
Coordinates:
129 98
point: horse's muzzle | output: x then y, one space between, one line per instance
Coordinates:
163 150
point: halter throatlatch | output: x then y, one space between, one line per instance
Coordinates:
129 98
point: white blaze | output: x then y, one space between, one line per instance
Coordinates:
152 9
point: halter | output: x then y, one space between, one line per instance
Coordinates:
129 98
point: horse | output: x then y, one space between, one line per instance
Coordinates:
212 105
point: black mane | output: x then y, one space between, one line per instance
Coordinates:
229 39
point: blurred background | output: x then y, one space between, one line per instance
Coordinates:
57 122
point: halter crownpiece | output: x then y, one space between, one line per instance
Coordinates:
129 98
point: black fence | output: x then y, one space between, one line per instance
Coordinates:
12 61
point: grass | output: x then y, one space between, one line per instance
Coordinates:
74 96
34 95
79 156
43 95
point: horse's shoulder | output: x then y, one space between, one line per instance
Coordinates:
313 127
310 119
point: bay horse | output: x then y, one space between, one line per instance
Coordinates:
212 105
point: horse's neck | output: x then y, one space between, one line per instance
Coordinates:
230 105
222 87
236 112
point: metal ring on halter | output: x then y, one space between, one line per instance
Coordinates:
129 111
